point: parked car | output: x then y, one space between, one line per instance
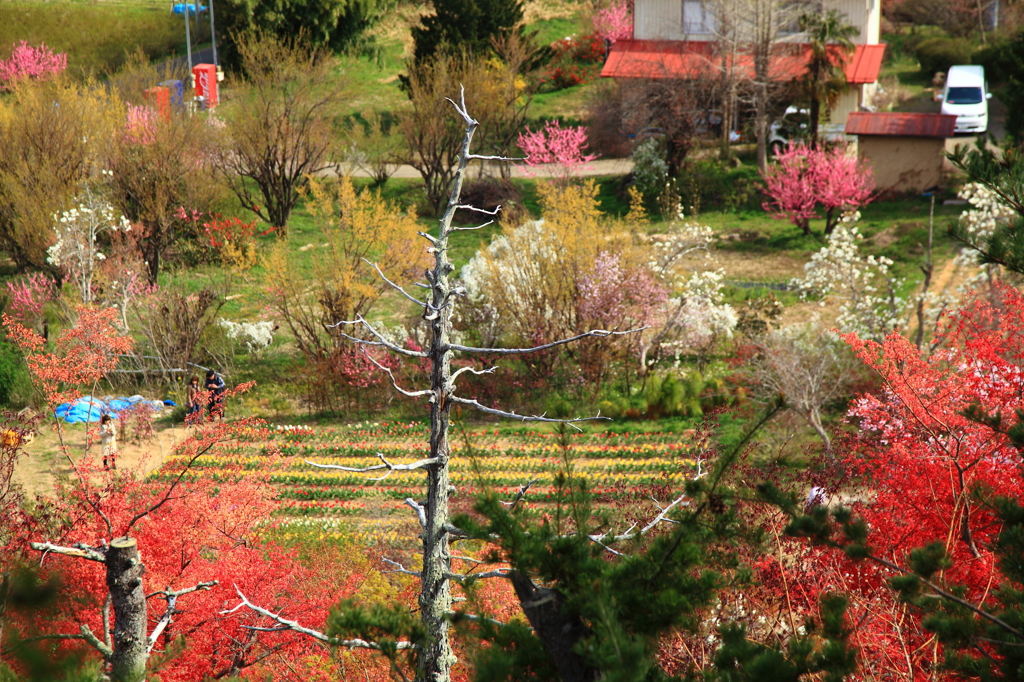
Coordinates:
966 95
793 126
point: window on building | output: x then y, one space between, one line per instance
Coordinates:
697 19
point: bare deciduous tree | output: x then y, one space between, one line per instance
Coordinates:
160 180
808 367
280 133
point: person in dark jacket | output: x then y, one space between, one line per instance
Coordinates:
216 387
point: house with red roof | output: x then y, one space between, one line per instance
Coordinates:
682 40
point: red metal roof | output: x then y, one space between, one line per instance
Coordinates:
865 64
900 125
688 59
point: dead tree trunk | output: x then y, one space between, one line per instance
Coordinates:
124 580
435 600
126 650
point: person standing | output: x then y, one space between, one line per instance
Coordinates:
193 400
216 387
108 441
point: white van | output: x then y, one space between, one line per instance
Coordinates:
966 95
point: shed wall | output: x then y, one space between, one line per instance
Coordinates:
903 164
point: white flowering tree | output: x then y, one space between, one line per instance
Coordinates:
694 317
76 252
987 215
256 336
863 285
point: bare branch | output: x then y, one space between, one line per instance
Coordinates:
170 489
391 375
521 494
286 624
630 534
377 467
469 207
432 240
497 573
399 568
462 111
92 639
86 636
420 511
381 341
471 228
172 600
600 333
394 286
478 372
522 417
496 158
78 550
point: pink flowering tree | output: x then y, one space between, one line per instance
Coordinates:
614 22
562 148
26 298
27 62
141 125
808 183
615 297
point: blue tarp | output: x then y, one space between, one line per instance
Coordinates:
90 409
84 409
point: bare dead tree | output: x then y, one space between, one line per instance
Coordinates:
436 576
127 647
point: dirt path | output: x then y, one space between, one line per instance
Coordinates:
43 462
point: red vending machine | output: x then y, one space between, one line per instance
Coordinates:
159 98
206 84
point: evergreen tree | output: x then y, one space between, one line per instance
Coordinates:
466 26
334 24
1002 174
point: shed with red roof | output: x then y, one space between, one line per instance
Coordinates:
904 150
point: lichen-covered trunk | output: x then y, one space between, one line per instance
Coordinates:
124 581
435 599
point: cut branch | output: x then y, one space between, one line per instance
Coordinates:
79 550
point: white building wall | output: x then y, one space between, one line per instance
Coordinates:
864 14
658 20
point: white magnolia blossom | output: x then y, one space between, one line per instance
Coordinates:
76 252
255 335
862 284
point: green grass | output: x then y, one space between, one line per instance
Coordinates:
96 37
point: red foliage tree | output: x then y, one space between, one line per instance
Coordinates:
925 473
198 540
